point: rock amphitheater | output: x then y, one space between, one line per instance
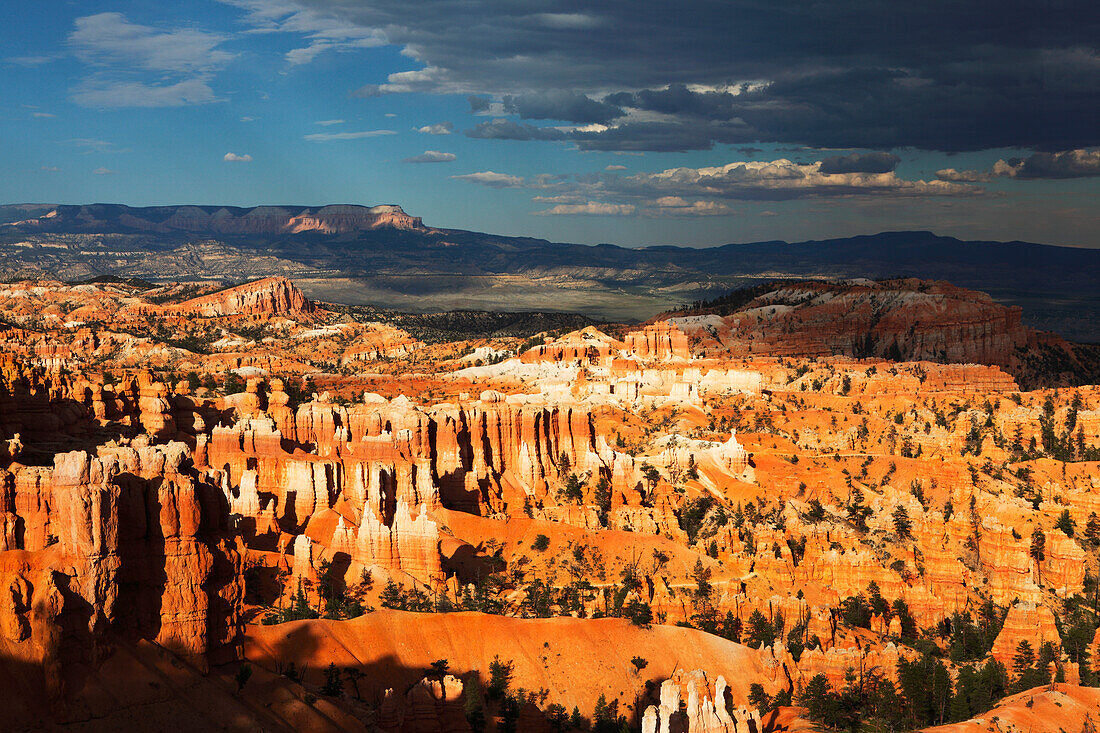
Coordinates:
242 510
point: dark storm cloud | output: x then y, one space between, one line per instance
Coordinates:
938 75
1067 164
860 163
501 129
561 105
478 104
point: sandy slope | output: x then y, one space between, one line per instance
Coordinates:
575 659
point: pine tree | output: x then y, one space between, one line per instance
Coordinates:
354 674
1092 529
902 525
500 677
334 683
1038 550
244 672
1025 657
1066 523
758 698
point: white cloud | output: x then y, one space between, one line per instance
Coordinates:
319 137
1065 164
324 31
492 179
140 66
592 208
103 171
93 145
103 93
439 128
326 123
780 179
108 39
431 156
43 114
615 168
951 174
677 206
234 158
696 192
30 61
246 118
51 169
567 21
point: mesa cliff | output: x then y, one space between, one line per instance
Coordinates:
332 219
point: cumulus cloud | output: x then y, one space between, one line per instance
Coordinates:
320 137
677 206
135 65
1065 164
591 208
234 158
613 167
492 179
965 176
103 171
778 180
439 128
694 192
431 156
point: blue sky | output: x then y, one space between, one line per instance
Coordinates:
585 122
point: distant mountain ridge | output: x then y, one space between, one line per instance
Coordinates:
330 219
383 257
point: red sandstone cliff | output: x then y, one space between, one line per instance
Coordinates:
272 296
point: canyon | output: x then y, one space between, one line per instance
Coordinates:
247 508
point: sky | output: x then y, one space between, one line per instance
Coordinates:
631 122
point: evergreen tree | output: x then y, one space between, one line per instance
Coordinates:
760 630
902 525
244 672
1038 550
758 698
821 702
334 683
354 674
1025 657
500 677
603 499
1065 523
472 704
1092 529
